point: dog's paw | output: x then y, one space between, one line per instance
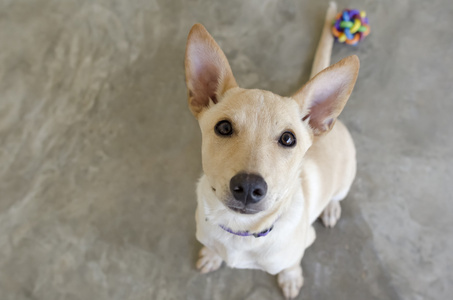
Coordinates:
290 281
208 261
331 214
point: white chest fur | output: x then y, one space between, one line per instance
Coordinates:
281 248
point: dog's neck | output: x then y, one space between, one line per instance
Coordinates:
247 233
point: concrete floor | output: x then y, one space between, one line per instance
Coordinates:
99 153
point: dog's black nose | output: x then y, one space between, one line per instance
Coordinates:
248 188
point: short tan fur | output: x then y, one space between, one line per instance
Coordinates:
294 183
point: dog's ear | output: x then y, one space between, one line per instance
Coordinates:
323 97
208 74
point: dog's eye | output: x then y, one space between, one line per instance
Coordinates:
287 139
224 128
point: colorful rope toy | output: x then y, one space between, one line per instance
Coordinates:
350 26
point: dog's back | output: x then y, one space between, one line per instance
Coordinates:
331 170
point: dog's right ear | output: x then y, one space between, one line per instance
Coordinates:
208 74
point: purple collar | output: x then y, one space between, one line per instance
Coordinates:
246 233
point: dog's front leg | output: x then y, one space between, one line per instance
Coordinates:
291 280
208 260
331 213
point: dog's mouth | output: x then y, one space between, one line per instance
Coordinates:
243 209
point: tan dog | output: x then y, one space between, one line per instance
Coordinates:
272 165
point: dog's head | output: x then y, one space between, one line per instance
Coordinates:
254 141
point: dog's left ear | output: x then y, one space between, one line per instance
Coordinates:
323 97
208 74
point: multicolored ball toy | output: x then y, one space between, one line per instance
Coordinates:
350 26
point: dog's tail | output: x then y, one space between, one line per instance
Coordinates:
324 51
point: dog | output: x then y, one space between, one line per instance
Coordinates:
272 165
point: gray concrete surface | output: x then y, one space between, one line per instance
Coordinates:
99 154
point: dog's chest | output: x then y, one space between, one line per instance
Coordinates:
246 258
254 254
270 253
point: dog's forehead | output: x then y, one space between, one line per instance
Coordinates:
262 107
